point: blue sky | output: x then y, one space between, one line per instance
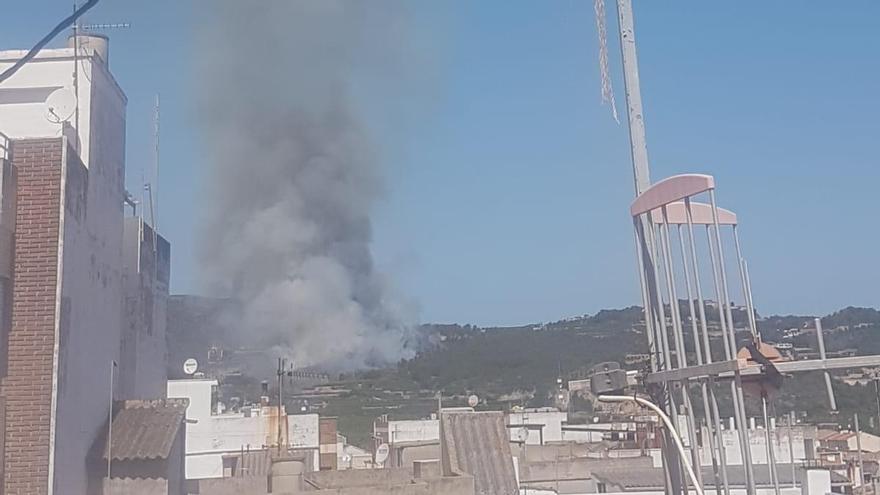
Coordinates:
508 183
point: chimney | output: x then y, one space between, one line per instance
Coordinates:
90 44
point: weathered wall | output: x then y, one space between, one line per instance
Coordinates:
146 272
27 388
91 288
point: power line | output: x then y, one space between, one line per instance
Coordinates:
64 24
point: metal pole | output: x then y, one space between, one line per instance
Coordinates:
639 152
691 307
280 398
877 395
661 312
649 327
719 436
110 430
737 383
859 447
677 333
638 143
791 449
744 279
681 352
828 387
672 464
697 347
752 313
729 349
728 352
771 456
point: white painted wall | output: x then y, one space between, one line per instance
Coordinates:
870 443
816 482
210 436
758 446
413 430
22 97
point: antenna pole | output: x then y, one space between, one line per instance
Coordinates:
76 79
280 397
154 179
110 429
638 142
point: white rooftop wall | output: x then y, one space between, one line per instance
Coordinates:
23 96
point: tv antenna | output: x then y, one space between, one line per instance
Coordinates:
76 27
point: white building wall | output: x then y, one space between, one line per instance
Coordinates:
551 419
413 431
870 443
758 446
89 320
210 436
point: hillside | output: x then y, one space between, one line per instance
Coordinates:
509 366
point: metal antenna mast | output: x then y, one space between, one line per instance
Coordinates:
642 181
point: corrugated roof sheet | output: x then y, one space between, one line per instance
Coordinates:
476 443
146 429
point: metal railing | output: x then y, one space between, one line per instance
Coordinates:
4 146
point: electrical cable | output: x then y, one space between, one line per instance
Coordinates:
64 24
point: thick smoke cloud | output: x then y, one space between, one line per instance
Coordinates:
292 176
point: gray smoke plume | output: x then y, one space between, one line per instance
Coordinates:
292 176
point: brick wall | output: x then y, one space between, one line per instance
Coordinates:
27 388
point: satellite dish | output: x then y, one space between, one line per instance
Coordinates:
382 453
346 458
60 105
190 366
522 434
473 400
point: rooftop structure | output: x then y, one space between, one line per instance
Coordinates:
147 447
211 435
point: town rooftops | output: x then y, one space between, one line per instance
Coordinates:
835 436
146 429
